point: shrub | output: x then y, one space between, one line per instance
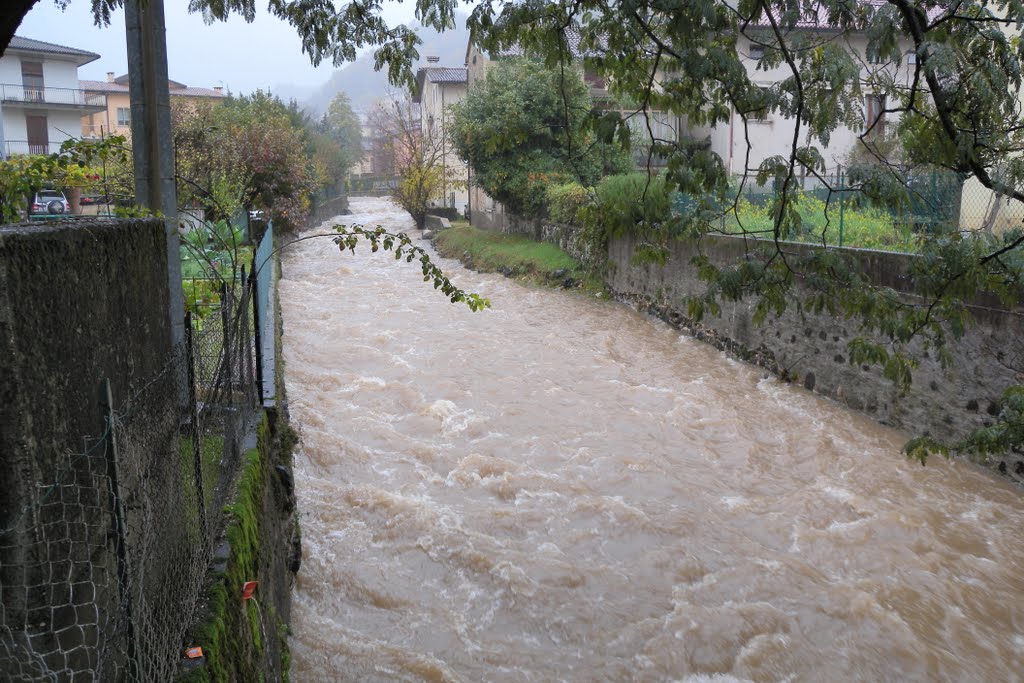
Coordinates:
525 128
449 212
633 203
565 201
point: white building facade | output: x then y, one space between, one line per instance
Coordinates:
41 103
437 88
771 133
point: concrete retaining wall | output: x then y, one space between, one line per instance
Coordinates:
79 301
944 402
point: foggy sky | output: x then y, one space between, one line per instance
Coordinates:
242 57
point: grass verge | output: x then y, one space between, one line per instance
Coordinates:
516 256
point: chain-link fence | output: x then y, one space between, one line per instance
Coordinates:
836 212
100 576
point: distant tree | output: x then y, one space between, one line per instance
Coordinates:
344 127
417 157
208 164
525 128
249 151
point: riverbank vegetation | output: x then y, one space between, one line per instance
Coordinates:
517 256
527 126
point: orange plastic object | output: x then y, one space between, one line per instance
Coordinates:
194 652
248 588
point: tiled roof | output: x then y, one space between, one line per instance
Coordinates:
29 44
192 91
445 74
438 74
572 39
102 86
176 89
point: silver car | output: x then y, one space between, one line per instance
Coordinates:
49 203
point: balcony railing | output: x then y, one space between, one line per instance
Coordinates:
31 94
25 147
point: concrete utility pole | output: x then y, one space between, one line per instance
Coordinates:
152 143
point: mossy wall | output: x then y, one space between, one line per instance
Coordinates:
78 302
246 640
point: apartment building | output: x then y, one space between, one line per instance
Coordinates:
437 88
115 118
41 101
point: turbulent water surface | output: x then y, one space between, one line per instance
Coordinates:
561 489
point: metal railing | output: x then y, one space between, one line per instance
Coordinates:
32 94
25 147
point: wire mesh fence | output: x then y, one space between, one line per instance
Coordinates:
834 211
101 572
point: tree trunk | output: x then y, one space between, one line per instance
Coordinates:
10 20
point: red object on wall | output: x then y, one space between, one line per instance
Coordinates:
248 588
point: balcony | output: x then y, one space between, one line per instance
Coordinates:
12 147
36 96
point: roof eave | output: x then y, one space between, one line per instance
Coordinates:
80 59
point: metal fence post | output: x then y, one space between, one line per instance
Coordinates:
197 442
842 205
225 318
120 524
245 341
258 338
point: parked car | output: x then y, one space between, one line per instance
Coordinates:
48 203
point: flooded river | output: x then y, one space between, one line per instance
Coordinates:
562 489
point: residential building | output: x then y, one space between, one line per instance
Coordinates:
41 102
116 116
770 133
437 88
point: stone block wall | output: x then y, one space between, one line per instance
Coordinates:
812 350
944 402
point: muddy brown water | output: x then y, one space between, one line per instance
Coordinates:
562 489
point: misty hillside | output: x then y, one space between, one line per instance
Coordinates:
364 85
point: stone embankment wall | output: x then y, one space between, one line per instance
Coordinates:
329 208
811 350
247 639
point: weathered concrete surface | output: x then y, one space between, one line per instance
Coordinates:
79 301
812 350
338 206
436 222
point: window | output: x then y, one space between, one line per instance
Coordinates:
911 57
759 112
756 51
875 114
873 56
124 116
32 81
